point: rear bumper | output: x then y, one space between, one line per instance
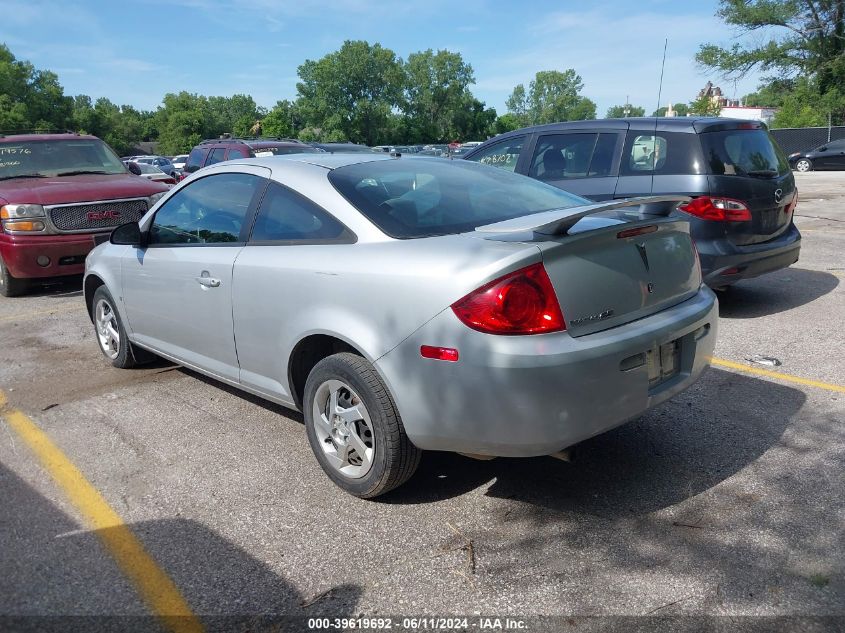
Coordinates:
65 252
522 396
723 263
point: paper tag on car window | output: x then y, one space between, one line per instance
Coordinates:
263 154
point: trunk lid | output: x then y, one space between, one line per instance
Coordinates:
611 269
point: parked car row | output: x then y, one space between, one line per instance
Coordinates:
390 297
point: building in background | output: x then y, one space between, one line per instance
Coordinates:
766 115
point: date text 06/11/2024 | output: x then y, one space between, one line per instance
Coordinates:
417 624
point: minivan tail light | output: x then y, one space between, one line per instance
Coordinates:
521 302
719 209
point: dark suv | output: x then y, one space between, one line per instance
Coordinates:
743 191
217 150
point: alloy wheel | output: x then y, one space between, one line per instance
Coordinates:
108 333
344 429
803 165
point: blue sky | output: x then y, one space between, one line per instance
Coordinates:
134 53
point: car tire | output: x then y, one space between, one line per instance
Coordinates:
803 164
11 286
371 425
111 335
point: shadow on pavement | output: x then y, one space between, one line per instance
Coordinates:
53 570
778 292
680 449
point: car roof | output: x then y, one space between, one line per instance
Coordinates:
679 124
19 138
322 159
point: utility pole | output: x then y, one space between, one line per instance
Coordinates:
627 109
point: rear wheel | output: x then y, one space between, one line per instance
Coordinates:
804 164
354 429
10 286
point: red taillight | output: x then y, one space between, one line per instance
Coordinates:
791 206
721 209
522 302
439 353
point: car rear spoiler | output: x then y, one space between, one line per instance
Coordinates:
559 221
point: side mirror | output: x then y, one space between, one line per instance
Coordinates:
133 167
128 234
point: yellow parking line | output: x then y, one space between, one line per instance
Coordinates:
720 362
153 584
62 307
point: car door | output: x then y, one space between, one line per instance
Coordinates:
177 290
830 156
278 268
583 162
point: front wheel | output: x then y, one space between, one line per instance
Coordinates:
354 429
804 164
111 335
10 286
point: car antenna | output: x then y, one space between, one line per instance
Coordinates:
656 112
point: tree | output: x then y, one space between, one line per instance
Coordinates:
183 120
283 120
506 123
436 91
619 111
353 90
705 106
552 96
794 39
30 98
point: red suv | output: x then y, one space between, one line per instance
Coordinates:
217 150
61 195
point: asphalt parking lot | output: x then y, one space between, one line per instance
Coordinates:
728 500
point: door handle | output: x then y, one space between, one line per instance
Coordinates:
208 282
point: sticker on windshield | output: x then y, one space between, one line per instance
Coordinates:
263 154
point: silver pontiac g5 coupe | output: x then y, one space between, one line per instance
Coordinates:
408 304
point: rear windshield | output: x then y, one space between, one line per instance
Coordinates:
285 149
58 158
423 197
743 153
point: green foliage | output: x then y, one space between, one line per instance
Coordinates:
800 42
30 98
705 106
551 96
436 95
619 111
506 123
353 90
282 121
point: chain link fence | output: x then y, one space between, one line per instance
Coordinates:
802 139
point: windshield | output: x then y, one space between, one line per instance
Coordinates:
56 157
423 197
743 153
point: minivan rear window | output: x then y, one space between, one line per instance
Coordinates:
424 197
743 153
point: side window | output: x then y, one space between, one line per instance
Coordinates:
217 156
503 155
234 152
211 210
286 216
664 153
559 156
195 160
